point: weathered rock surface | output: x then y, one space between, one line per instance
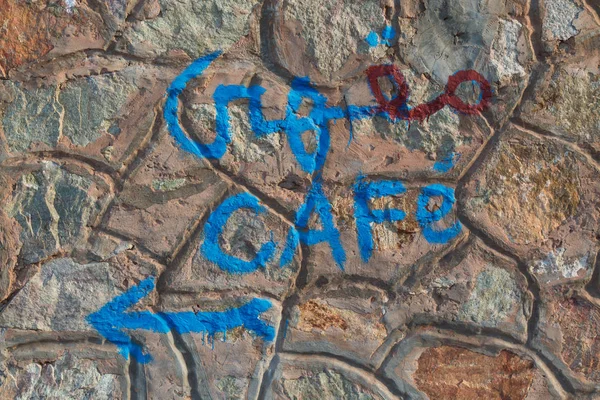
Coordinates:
62 372
34 31
565 103
442 365
538 198
398 247
64 292
54 205
165 198
450 373
335 322
327 40
473 287
440 37
307 378
265 164
193 28
568 329
243 236
299 199
105 117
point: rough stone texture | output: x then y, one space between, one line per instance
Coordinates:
538 197
312 378
338 323
444 365
62 373
473 286
32 30
332 33
164 198
450 373
189 27
399 247
404 149
64 292
566 21
243 236
53 207
241 357
265 164
121 146
568 329
105 116
565 103
443 37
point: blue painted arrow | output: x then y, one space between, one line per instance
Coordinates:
112 318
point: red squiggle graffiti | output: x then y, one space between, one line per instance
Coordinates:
397 107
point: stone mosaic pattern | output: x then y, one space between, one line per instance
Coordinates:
320 245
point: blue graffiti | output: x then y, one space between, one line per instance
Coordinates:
312 161
447 163
214 227
317 121
320 116
372 39
113 318
316 202
426 217
364 192
172 104
387 36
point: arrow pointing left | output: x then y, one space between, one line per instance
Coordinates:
113 318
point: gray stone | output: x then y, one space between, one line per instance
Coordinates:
321 378
65 378
32 116
333 35
192 26
93 105
495 295
60 296
53 207
82 110
326 384
558 19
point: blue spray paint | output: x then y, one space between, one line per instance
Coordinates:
113 318
372 39
364 192
387 35
214 227
427 218
446 163
172 103
291 244
294 126
317 202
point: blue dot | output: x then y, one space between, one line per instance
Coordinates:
373 39
387 34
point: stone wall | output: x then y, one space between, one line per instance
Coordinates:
300 199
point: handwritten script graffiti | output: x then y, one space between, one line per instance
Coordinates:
318 120
115 317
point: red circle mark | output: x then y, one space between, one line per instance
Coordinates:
397 107
465 76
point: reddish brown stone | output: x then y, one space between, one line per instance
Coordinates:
454 373
579 323
30 30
